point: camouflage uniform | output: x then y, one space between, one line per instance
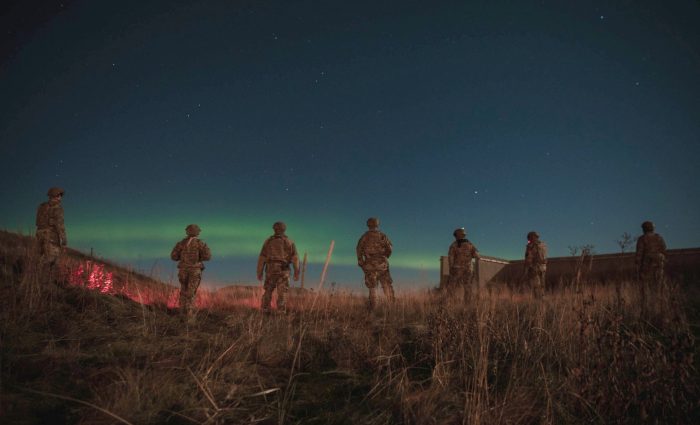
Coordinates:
190 253
536 264
276 255
460 256
650 260
373 252
50 230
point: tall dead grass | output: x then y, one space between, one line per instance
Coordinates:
582 355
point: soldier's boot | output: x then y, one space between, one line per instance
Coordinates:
372 300
266 301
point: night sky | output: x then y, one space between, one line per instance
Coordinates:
576 119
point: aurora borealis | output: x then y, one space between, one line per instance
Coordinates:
579 121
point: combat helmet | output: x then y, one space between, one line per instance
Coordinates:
372 222
648 226
55 191
192 230
533 236
458 231
279 227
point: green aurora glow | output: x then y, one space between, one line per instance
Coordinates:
152 239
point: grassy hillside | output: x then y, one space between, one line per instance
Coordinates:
105 345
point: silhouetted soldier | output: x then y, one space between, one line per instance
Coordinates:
190 254
50 233
373 252
460 256
277 254
650 261
536 264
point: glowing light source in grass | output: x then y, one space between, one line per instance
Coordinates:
92 276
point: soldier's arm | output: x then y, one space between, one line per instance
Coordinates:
295 262
60 227
451 255
204 252
262 259
261 266
175 253
663 245
543 251
358 250
38 215
389 247
475 252
640 251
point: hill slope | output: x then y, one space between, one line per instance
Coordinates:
83 351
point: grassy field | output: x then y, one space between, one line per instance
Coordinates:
106 345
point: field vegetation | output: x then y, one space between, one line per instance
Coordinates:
102 344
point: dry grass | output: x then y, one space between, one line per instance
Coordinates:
74 355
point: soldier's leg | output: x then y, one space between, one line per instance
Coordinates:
53 254
282 286
451 285
532 280
183 277
466 281
371 284
193 280
538 285
661 284
45 257
643 290
269 286
387 284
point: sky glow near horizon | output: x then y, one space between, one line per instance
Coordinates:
579 121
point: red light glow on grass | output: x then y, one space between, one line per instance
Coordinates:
93 276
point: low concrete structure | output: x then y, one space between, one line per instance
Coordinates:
681 264
487 269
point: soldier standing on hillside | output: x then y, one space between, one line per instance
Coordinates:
536 264
373 252
650 261
277 253
190 253
50 232
460 256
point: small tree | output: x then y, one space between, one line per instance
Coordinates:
626 240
